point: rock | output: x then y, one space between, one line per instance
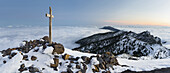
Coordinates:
64 72
33 58
84 68
56 61
4 61
6 52
12 55
114 61
74 59
86 59
25 57
22 68
58 48
66 56
69 66
46 38
69 70
102 66
78 67
53 65
33 69
106 72
96 69
71 61
79 71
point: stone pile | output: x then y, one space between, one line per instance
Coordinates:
99 63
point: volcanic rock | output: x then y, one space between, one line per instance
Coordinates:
58 48
33 58
66 56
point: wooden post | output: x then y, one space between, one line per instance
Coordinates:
50 24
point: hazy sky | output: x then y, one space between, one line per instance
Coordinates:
85 12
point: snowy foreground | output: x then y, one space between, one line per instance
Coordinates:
45 58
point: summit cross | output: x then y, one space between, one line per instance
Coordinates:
50 16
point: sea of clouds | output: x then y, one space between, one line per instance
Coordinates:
12 36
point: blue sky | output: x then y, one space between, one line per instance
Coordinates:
85 12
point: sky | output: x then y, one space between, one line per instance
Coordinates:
85 12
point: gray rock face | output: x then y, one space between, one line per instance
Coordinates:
120 42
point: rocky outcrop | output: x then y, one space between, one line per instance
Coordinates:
102 62
119 42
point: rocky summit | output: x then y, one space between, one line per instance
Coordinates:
39 56
120 42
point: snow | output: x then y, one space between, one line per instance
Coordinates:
145 65
12 65
67 36
49 50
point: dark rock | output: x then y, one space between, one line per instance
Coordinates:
25 57
96 69
22 68
36 50
64 72
66 56
71 61
4 61
86 59
69 66
58 48
56 61
106 72
78 67
6 52
33 69
102 66
46 38
69 70
53 65
84 68
33 58
12 55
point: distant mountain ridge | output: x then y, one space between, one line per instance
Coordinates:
119 42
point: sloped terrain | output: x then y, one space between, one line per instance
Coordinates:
119 42
40 56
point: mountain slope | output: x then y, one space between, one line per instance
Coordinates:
119 42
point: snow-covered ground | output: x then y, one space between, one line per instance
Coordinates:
12 37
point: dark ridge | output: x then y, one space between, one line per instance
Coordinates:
110 28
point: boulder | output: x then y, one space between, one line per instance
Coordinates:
25 57
86 59
78 67
69 70
22 68
46 38
33 69
58 48
33 58
66 56
96 68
